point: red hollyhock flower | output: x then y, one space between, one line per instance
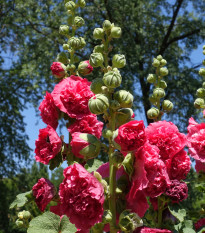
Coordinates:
82 196
88 124
200 223
71 96
43 191
166 136
130 136
179 166
177 191
49 112
199 166
85 68
196 140
58 69
48 145
151 230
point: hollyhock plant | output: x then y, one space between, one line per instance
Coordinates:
48 145
82 196
130 136
87 124
49 112
58 69
43 191
71 96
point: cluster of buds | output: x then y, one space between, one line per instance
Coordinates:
23 218
158 93
199 103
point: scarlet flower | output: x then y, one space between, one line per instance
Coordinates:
166 136
82 196
130 136
200 223
71 96
85 68
88 124
58 69
151 230
48 145
49 112
43 191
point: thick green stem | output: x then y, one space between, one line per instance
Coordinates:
160 210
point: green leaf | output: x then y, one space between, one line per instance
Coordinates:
177 212
93 165
45 223
188 224
200 187
56 161
188 230
21 199
66 226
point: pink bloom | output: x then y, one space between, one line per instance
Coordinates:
151 230
71 96
85 68
130 136
48 145
49 112
166 136
58 69
43 191
199 166
177 191
196 140
88 124
179 166
82 195
200 223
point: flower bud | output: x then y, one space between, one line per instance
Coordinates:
159 57
96 85
153 113
104 89
84 68
99 49
24 215
107 133
128 221
128 163
74 42
19 223
79 21
200 92
158 93
151 78
203 62
85 145
203 84
202 72
198 103
204 51
153 100
114 104
58 69
107 216
123 116
70 6
112 79
20 215
96 59
66 46
124 98
155 63
107 25
64 30
70 67
162 84
98 33
116 32
81 3
163 71
116 158
163 62
118 61
82 42
167 105
97 175
62 57
98 104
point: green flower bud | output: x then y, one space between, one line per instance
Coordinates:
118 61
151 78
116 158
198 103
153 100
82 42
79 21
96 59
20 215
99 49
163 71
128 221
75 42
81 3
159 57
107 216
70 67
112 79
128 163
203 62
107 25
70 6
152 113
204 52
116 32
64 30
114 104
96 85
201 92
155 63
203 85
159 93
163 62
97 175
167 105
162 84
107 133
98 104
62 57
124 98
26 214
19 223
203 47
104 89
123 116
202 72
66 46
98 33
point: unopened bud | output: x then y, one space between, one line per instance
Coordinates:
79 21
84 68
74 42
70 6
62 57
82 42
200 92
114 104
203 62
163 62
162 84
125 98
98 104
58 69
97 175
153 99
64 30
202 72
98 33
66 46
70 67
156 62
198 103
107 25
112 79
96 59
158 93
159 57
118 61
107 133
116 32
163 71
128 163
153 113
151 78
99 49
81 3
116 158
96 85
167 105
123 116
107 216
19 223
